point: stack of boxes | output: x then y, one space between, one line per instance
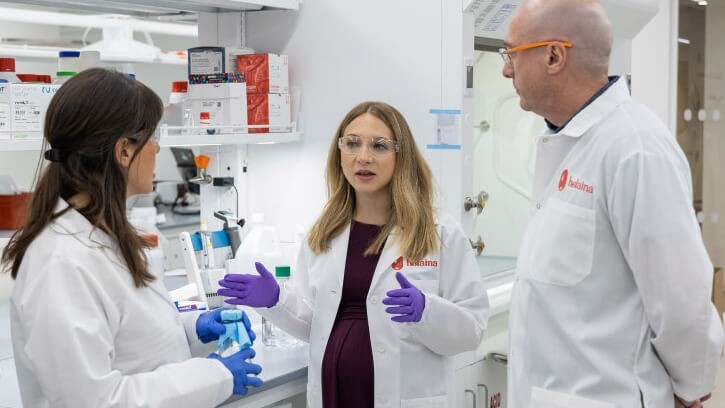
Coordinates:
213 91
268 99
238 89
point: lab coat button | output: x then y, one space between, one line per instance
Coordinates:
333 291
544 140
382 399
538 206
379 347
374 300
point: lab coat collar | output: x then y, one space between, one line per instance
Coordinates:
75 224
593 113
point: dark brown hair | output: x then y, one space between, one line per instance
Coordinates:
84 120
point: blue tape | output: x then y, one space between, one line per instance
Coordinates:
218 239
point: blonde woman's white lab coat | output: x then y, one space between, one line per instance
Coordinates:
611 307
412 361
84 336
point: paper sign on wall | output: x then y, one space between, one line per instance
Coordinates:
448 129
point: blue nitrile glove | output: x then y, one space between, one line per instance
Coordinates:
250 290
209 325
241 369
409 301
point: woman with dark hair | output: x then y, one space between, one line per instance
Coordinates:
386 289
91 325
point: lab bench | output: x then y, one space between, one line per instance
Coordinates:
284 372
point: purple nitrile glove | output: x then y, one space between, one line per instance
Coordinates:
250 290
209 325
409 301
241 369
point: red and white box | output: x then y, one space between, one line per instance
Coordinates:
225 102
269 109
264 73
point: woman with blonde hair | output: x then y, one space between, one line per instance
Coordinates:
386 290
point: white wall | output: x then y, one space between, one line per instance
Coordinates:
380 50
654 63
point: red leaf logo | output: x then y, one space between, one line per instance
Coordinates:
562 180
398 264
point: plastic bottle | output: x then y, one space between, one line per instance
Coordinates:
174 111
272 335
178 92
259 245
69 61
205 120
7 70
89 59
62 76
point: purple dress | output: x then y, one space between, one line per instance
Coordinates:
347 368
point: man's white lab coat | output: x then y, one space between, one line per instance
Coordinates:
611 305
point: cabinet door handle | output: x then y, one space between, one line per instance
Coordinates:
467 391
485 390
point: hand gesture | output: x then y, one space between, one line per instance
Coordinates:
409 301
241 369
250 290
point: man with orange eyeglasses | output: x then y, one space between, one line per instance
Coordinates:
611 305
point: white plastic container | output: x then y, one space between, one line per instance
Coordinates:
62 76
89 59
259 245
69 61
7 70
174 111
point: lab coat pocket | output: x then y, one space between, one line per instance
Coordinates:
564 246
428 402
541 398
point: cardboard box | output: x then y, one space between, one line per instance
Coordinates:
718 291
13 209
206 60
22 109
264 73
269 109
226 103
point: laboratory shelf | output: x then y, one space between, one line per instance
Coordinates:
225 135
20 145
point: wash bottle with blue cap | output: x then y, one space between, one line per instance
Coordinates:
235 338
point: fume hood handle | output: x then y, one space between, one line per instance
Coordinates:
478 245
478 202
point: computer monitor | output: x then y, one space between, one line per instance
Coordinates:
187 167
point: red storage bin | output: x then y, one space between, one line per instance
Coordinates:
13 209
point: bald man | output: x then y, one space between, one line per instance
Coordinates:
611 306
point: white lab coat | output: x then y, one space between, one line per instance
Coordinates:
84 336
611 305
412 361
